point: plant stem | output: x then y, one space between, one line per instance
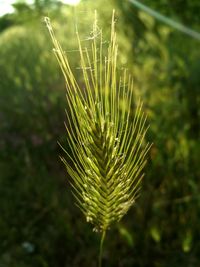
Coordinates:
101 247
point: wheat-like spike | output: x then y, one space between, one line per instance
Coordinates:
108 154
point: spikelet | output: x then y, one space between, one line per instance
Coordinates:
107 142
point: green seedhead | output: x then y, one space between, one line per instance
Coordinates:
105 136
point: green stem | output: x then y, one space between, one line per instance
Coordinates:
101 247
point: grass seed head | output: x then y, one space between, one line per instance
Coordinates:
107 140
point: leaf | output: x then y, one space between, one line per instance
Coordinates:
126 235
187 242
155 234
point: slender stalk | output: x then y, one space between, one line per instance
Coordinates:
101 247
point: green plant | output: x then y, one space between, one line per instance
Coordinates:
106 140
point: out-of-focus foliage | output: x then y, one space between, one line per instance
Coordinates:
39 225
182 10
30 84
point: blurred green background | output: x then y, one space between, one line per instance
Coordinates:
39 224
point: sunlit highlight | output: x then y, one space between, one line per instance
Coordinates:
71 2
